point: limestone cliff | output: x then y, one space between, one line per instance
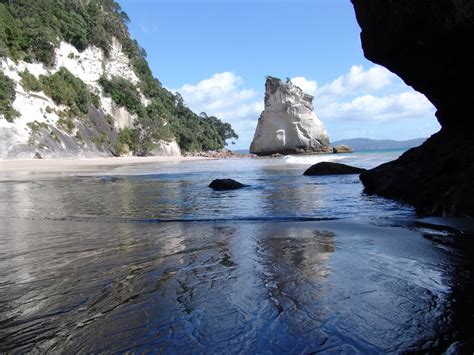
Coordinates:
41 130
429 45
288 124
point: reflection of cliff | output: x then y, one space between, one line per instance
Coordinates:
296 264
301 199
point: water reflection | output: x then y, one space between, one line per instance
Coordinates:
94 289
459 248
288 287
274 192
86 266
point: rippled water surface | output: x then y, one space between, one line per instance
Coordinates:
148 258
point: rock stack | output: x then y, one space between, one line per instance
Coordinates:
288 124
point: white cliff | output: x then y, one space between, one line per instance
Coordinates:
166 149
288 124
36 130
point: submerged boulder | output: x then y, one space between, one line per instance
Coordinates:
288 124
328 168
225 184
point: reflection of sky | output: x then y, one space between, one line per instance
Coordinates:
223 286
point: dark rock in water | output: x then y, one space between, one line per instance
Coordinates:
436 177
37 156
328 168
342 148
429 45
225 184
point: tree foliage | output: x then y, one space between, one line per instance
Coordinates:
66 89
32 29
124 93
29 82
7 96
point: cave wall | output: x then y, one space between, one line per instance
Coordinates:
430 45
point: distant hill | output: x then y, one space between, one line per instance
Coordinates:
241 151
377 144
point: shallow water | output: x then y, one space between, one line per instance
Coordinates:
146 257
179 191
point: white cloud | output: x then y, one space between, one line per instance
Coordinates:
361 95
223 95
373 101
358 80
308 86
410 104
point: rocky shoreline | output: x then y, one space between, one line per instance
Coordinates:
228 154
219 154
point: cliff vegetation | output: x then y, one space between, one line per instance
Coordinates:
31 31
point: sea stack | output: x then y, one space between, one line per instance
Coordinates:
288 124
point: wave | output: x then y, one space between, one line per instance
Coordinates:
312 159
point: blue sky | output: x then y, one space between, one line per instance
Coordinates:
216 53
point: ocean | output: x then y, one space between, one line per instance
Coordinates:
147 258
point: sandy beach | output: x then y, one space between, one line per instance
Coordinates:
70 165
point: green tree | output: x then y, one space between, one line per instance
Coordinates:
7 96
11 36
66 89
124 93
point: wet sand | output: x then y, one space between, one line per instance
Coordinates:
252 287
92 164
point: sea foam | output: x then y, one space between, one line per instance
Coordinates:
312 159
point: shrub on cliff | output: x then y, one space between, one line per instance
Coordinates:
124 93
66 89
7 96
128 137
29 82
11 38
196 133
